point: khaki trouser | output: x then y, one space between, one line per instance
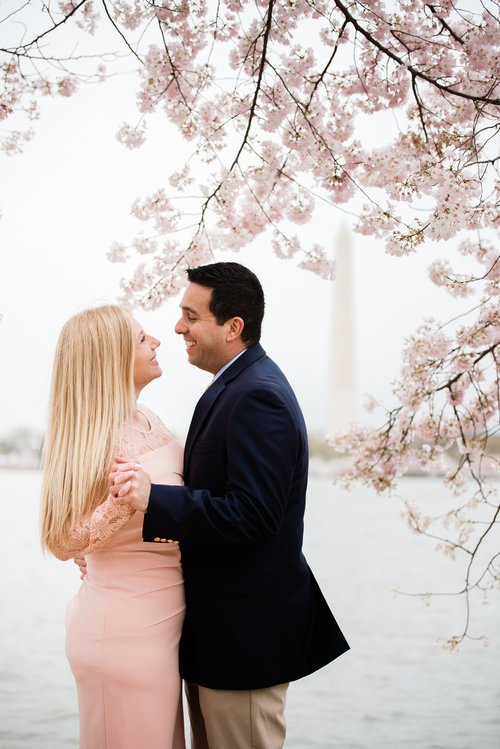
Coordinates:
237 719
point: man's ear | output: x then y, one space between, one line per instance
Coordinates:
236 325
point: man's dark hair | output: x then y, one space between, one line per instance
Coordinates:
236 292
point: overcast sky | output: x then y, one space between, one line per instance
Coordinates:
68 197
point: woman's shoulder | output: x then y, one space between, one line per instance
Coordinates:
151 415
155 421
139 441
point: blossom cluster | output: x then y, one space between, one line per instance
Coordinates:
269 92
445 421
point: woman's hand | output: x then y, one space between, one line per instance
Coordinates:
129 484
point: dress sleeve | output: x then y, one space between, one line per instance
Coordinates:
95 531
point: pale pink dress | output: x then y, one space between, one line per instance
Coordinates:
123 626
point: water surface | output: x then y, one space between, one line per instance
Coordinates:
395 689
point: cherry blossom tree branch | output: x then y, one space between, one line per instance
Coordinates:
411 69
119 31
263 60
34 42
444 24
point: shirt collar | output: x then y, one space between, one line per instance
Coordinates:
223 369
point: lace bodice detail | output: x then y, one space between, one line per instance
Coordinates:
134 442
95 531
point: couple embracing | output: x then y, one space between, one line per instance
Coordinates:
194 564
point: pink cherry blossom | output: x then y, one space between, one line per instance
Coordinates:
132 137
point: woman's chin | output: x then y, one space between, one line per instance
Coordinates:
153 376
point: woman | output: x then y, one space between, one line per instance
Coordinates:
123 626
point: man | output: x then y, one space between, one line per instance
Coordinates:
255 617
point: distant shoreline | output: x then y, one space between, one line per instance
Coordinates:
14 462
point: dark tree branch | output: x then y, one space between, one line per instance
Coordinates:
411 69
263 60
119 31
444 24
48 31
327 66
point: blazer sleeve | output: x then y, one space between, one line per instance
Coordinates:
262 441
95 531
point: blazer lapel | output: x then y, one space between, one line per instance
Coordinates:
201 412
250 356
209 397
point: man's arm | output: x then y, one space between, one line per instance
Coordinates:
262 443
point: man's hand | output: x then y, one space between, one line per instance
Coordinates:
130 484
82 564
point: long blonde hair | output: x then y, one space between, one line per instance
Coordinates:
92 395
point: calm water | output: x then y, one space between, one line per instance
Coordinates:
395 689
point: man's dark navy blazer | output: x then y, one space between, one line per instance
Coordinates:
255 615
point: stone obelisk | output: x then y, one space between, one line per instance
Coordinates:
342 401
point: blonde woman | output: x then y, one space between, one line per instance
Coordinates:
123 626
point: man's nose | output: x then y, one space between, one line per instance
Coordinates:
180 327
